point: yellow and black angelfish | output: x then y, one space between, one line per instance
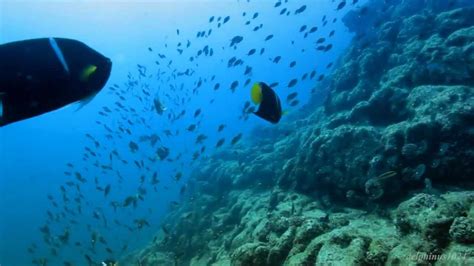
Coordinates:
269 104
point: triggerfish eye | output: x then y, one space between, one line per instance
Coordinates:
269 104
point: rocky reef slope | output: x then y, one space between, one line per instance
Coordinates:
368 178
285 228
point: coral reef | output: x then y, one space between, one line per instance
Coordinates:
285 228
368 177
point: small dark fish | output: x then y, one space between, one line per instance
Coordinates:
191 127
277 59
197 113
331 33
292 83
291 96
236 139
292 64
220 142
300 10
200 138
294 102
321 40
251 52
106 190
178 176
165 230
269 37
154 179
149 49
341 5
328 47
226 19
313 29
283 11
211 19
277 4
234 85
303 28
236 40
162 152
133 146
130 200
248 70
216 87
221 127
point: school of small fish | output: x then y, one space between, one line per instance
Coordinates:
132 138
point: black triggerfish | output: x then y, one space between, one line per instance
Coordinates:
41 75
269 104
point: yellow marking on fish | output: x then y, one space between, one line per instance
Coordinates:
87 72
256 93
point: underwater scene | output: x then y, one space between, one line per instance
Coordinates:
236 132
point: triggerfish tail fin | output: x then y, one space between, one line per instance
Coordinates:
87 72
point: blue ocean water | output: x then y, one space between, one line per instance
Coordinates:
34 153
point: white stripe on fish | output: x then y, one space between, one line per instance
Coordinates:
59 53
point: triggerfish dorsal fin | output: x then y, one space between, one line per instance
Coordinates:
87 72
269 104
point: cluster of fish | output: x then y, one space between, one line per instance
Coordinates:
151 112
